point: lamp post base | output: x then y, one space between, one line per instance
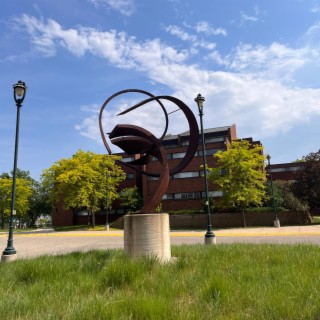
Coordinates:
210 238
106 227
276 223
8 257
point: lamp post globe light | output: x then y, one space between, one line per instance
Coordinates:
210 237
19 93
276 221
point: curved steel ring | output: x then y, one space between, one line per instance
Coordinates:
193 127
122 92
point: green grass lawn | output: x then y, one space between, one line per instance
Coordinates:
6 230
240 281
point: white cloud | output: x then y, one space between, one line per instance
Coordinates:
275 61
217 58
250 18
204 27
119 48
193 39
258 90
143 117
125 7
176 31
245 17
315 9
312 36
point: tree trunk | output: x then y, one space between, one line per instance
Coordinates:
93 218
243 217
2 220
33 219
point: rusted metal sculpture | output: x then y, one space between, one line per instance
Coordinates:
136 140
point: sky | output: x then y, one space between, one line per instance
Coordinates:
255 62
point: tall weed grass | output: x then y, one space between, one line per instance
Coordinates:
238 281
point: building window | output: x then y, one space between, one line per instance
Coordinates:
295 168
208 152
197 195
167 196
178 155
216 139
278 169
153 178
182 175
130 176
186 195
170 144
127 159
283 169
212 194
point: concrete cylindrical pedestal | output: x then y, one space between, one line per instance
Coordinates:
276 223
147 235
8 258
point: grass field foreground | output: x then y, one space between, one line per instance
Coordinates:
238 281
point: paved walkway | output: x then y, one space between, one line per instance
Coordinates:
39 242
241 232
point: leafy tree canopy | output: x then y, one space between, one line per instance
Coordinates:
131 199
307 181
284 197
86 180
23 194
39 203
240 173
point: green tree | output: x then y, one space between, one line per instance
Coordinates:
40 204
87 180
22 198
284 197
131 199
39 200
307 181
240 174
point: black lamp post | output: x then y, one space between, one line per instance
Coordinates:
19 93
276 221
106 227
210 237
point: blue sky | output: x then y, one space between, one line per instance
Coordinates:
256 62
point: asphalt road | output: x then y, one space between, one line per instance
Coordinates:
37 243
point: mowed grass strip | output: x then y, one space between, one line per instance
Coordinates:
239 281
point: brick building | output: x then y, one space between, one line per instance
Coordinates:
186 189
286 171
